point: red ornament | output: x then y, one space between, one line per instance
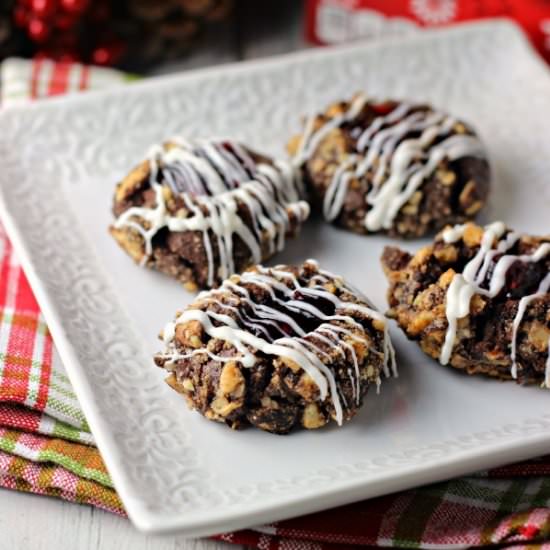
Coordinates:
101 56
43 8
107 54
20 16
38 30
74 6
68 57
65 21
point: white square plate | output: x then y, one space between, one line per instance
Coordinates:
174 470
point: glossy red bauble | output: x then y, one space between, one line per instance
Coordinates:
43 8
74 6
21 16
107 54
38 30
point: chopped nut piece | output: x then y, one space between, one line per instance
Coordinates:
312 417
231 380
190 334
188 384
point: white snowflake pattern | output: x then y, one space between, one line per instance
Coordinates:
434 12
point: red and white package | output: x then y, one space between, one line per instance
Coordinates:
336 21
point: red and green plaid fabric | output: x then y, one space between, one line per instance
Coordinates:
46 447
49 479
31 373
28 420
81 460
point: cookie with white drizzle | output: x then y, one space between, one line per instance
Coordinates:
202 210
396 167
477 299
278 348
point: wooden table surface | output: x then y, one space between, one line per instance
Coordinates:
257 29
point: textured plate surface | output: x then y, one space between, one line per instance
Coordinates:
173 469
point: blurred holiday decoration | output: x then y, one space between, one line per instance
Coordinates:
10 39
129 33
335 21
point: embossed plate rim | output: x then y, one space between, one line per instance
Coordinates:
406 470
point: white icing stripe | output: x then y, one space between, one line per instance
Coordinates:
457 306
389 357
464 285
379 122
356 382
522 308
399 165
213 178
491 234
453 234
386 141
312 138
303 347
502 246
398 189
335 194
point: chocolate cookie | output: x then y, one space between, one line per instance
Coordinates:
202 210
477 299
278 348
394 167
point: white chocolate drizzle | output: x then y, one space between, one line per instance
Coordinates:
496 241
312 137
213 177
522 308
278 328
398 164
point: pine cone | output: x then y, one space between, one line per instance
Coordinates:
167 29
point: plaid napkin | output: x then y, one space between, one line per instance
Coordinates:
41 424
46 446
23 81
